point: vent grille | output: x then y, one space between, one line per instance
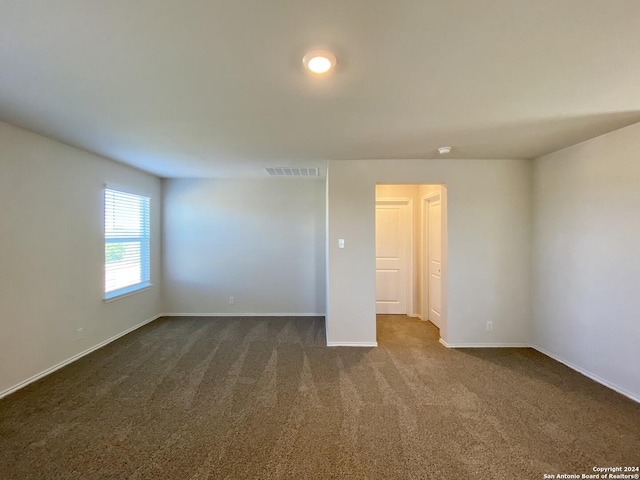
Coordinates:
292 172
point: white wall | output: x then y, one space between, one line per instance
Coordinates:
52 253
586 257
260 241
489 270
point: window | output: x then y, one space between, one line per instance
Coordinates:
126 243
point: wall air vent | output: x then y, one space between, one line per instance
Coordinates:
292 172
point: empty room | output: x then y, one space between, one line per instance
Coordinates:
319 239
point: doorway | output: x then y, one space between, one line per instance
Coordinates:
410 229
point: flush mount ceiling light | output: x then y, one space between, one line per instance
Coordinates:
444 150
319 61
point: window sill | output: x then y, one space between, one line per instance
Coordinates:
127 292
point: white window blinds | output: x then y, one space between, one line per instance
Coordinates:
126 242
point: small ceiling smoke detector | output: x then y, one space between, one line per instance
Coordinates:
319 61
444 150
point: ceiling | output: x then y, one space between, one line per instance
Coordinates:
195 88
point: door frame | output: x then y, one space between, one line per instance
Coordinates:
410 245
424 253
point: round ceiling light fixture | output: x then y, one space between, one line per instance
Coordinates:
444 150
319 61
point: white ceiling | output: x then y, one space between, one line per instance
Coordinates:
195 88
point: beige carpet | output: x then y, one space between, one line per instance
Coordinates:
196 398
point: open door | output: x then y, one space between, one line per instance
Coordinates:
434 213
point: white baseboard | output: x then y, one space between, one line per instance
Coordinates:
588 374
416 315
58 366
352 344
243 315
484 345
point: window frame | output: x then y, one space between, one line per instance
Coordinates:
144 240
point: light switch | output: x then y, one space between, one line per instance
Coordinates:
341 243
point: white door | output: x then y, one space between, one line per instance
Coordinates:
435 261
392 224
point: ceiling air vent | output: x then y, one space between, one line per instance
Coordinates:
292 172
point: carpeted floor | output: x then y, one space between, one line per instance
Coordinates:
196 398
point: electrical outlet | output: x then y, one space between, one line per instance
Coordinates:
232 300
489 326
80 334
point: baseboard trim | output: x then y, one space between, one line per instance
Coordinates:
484 345
588 374
243 315
69 360
352 344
